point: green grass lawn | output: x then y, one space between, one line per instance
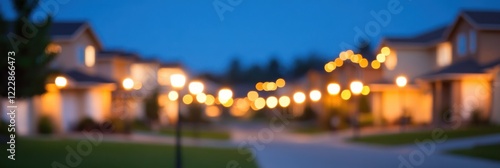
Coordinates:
486 152
200 133
42 153
409 138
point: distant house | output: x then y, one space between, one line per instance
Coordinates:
452 72
86 94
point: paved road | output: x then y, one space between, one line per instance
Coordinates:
299 151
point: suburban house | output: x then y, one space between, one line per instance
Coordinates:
85 94
452 72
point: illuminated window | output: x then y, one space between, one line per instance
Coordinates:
472 42
391 61
53 49
461 44
444 55
89 56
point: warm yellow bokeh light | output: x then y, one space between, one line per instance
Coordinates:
259 86
385 50
252 95
330 66
128 83
177 80
333 88
271 86
381 58
259 103
228 103
401 81
173 95
201 97
225 95
137 85
242 105
356 87
196 87
345 95
355 58
210 100
212 111
299 97
271 102
61 81
349 53
343 55
363 63
315 95
284 101
339 62
187 99
366 90
280 82
375 64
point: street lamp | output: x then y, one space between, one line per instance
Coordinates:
299 97
178 81
284 102
196 88
333 88
225 95
315 95
128 83
356 89
401 81
61 81
271 102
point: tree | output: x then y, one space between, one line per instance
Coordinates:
28 39
234 72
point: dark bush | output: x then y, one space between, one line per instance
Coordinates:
86 124
45 125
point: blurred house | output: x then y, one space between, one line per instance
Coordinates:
86 94
453 73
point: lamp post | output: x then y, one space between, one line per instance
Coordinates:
401 81
196 88
127 85
178 81
333 90
356 89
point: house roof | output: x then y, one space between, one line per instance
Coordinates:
65 28
483 19
430 37
117 53
79 76
468 66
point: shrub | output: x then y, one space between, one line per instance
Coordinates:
86 124
477 118
45 125
309 114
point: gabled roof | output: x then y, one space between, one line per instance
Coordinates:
65 28
79 76
484 20
428 38
117 53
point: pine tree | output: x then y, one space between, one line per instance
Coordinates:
28 39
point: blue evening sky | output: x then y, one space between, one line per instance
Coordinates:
191 31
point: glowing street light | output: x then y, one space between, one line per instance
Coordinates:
299 97
61 81
356 87
401 81
128 83
173 95
333 88
271 102
284 101
196 87
178 81
225 95
315 95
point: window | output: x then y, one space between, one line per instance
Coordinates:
53 49
472 41
443 54
391 61
80 55
461 44
89 56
